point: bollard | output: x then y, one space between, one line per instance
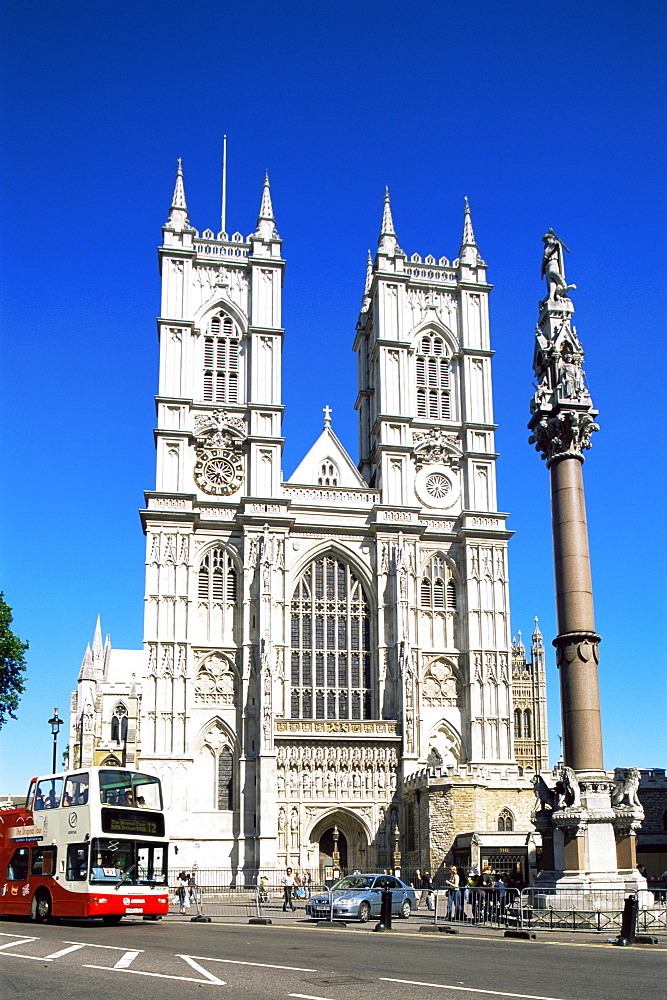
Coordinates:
385 911
629 922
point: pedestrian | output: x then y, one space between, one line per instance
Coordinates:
454 894
181 891
192 889
307 882
427 890
288 889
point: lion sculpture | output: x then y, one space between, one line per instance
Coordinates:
624 792
545 795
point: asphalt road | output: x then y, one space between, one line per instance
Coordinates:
179 960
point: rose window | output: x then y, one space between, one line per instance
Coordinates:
438 486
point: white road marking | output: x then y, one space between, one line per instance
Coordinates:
23 939
66 951
307 996
157 975
255 965
204 972
87 944
467 989
126 959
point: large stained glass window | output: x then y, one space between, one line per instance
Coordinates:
330 639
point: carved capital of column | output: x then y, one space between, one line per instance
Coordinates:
562 434
571 646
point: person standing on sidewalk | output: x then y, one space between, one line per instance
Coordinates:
427 889
288 889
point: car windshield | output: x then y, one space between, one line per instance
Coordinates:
354 882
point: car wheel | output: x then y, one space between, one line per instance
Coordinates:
364 911
40 910
112 918
405 909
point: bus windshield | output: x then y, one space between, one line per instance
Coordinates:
130 789
128 861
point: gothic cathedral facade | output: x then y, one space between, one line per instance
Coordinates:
327 659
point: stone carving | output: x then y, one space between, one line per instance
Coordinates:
434 446
546 796
300 769
439 687
567 789
215 682
625 792
566 433
553 266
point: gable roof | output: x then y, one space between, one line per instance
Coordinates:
327 449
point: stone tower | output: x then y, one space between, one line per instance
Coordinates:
314 645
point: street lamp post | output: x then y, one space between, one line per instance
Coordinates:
55 723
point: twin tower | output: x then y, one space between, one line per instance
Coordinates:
324 656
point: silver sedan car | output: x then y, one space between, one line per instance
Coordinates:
360 896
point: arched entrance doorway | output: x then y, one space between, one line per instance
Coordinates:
333 840
352 842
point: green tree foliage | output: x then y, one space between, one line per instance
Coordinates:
12 665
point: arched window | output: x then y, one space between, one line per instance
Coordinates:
328 474
221 362
216 581
119 724
433 379
331 642
505 821
527 724
225 779
517 724
437 589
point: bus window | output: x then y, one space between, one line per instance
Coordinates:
17 869
48 794
147 791
43 861
77 862
30 797
76 790
152 864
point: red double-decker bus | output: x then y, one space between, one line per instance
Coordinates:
90 843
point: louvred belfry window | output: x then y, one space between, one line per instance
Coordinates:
221 362
330 644
217 578
433 379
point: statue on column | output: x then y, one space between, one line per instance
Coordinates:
553 266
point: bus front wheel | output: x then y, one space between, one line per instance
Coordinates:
40 910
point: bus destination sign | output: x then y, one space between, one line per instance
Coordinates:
129 822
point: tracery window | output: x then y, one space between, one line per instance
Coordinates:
527 725
119 724
505 821
216 582
331 641
518 727
433 379
438 589
221 361
328 474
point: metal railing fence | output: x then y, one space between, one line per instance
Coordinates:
594 909
485 906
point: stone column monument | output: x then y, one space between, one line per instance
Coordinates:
587 823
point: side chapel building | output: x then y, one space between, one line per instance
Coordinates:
327 670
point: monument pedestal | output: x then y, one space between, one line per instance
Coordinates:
589 842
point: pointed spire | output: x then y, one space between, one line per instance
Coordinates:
537 635
97 638
387 241
468 254
87 671
266 223
178 214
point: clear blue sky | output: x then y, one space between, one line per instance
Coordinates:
543 115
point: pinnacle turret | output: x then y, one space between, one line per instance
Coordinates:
178 213
469 253
537 635
87 671
266 223
387 241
